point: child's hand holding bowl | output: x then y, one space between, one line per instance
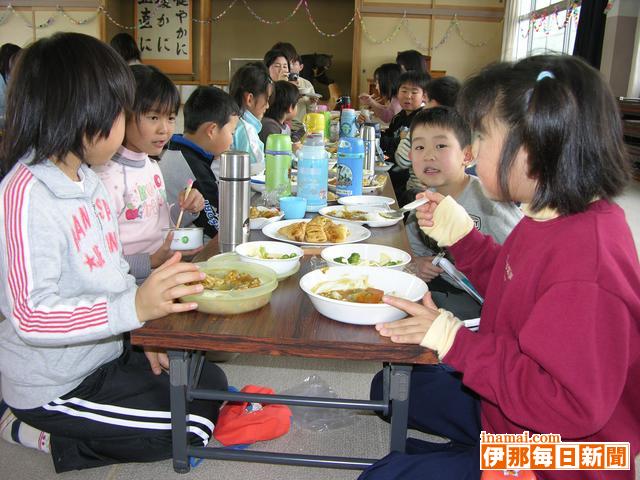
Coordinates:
413 328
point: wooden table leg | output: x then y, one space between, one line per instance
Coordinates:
178 378
399 396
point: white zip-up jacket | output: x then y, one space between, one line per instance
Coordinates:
66 293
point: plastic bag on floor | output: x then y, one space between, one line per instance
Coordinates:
318 419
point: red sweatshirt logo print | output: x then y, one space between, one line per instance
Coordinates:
508 273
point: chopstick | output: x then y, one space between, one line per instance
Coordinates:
186 195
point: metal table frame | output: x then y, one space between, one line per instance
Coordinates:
185 370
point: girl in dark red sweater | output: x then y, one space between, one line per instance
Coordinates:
558 350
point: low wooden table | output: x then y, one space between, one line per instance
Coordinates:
288 325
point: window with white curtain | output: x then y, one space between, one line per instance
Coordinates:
546 26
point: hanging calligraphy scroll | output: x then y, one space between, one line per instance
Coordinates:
164 34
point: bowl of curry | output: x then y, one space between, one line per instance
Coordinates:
232 287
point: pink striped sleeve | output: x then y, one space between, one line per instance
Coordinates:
61 316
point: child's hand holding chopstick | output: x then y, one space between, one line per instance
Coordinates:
190 200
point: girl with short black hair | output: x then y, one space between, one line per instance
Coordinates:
8 55
126 46
558 348
68 297
282 108
251 87
385 104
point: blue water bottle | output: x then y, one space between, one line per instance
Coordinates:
350 166
313 170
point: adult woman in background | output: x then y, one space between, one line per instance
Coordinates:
308 94
278 65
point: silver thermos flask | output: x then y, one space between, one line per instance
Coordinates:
369 139
235 196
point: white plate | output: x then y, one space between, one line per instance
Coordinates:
357 233
383 168
366 200
371 211
392 282
258 223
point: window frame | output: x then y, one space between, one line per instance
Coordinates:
559 6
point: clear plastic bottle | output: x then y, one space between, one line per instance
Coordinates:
313 170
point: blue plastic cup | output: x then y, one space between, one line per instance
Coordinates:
293 207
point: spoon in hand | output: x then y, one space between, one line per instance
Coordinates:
394 214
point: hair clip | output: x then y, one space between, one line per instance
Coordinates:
545 74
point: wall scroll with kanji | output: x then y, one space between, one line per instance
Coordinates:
164 34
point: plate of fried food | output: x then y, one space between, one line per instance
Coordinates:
331 148
374 184
332 197
260 216
318 230
360 214
383 166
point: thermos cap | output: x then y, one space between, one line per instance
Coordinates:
375 125
350 146
278 142
235 165
315 122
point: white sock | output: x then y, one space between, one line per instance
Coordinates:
19 433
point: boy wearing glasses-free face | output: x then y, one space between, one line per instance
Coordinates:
411 95
440 152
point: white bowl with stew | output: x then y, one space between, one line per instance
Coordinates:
354 283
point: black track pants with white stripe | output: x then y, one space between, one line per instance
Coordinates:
121 413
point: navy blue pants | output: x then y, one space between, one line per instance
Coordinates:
121 413
439 404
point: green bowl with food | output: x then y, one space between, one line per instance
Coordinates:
233 287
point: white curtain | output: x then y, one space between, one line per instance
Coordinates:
510 30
